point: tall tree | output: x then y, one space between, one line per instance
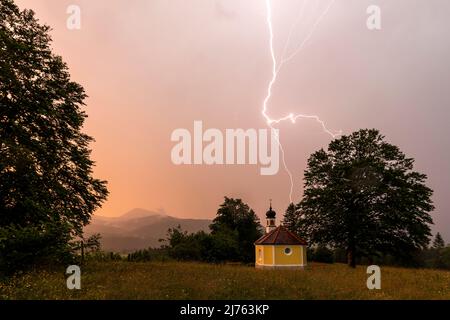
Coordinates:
236 217
363 195
291 219
438 242
45 167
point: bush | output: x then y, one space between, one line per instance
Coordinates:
323 254
437 258
222 246
191 247
219 246
103 256
22 248
150 254
445 256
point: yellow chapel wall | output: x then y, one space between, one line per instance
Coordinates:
264 255
281 258
297 256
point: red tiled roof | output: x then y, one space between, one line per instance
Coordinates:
280 235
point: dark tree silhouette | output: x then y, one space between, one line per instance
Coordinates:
363 195
234 216
438 242
45 166
291 219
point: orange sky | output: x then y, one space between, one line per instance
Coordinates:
152 66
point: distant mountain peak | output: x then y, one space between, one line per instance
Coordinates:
139 229
140 213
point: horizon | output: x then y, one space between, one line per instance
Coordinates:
153 67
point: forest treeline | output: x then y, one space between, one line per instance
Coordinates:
224 247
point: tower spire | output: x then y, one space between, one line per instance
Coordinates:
270 219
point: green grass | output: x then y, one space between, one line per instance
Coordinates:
176 280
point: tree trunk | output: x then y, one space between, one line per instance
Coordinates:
351 259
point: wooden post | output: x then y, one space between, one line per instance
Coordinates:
82 251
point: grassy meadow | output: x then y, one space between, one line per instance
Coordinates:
176 280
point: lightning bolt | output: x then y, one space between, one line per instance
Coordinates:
276 68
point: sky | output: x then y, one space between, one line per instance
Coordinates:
153 66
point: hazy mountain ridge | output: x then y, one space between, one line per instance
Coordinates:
139 229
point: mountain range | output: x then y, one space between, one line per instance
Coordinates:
139 229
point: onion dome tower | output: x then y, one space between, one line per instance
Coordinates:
270 219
